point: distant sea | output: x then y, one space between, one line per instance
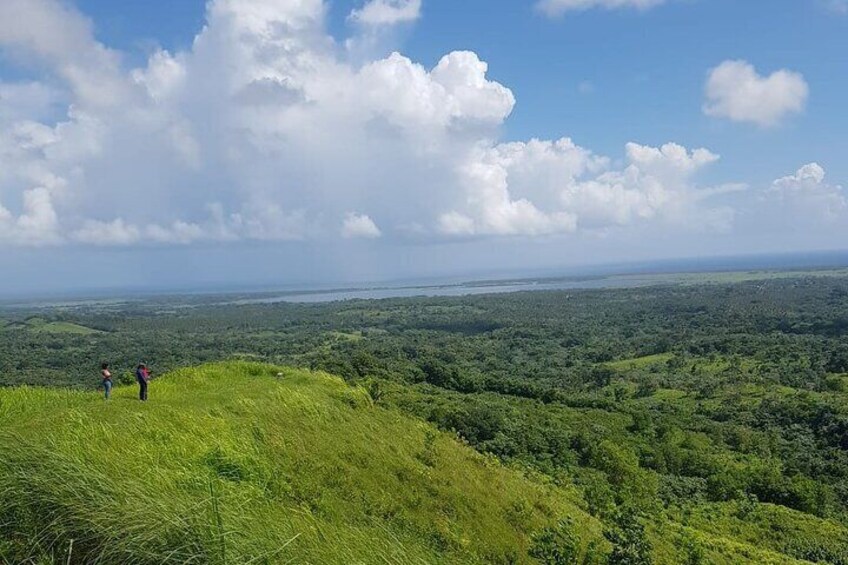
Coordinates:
687 271
623 275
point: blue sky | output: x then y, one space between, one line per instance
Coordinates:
287 140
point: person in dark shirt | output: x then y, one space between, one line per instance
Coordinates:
142 375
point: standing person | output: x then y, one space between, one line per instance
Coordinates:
142 375
107 380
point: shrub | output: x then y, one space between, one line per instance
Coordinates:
558 545
630 545
694 552
375 390
126 378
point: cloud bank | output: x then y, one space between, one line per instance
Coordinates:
268 129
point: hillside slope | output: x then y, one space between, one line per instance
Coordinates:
229 463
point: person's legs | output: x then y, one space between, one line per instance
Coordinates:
107 389
144 390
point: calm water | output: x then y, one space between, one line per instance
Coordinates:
449 290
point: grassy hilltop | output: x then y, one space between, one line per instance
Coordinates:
228 463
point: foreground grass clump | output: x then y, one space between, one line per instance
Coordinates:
229 463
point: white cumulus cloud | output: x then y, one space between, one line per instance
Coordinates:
737 92
36 225
387 12
360 226
544 187
808 196
802 210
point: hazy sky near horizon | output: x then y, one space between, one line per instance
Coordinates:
178 143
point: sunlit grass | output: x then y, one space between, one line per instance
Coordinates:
229 463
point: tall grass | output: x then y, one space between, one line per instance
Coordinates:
228 463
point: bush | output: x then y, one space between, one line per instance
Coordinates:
375 390
811 550
558 545
630 545
126 378
694 551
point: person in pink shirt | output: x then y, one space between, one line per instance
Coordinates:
142 375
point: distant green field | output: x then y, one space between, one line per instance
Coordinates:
39 325
699 365
640 362
730 277
64 328
343 336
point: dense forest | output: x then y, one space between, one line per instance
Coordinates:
691 409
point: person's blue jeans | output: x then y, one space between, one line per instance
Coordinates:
107 389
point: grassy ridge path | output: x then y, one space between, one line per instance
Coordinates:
228 463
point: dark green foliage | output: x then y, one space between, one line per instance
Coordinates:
694 552
375 390
630 545
815 551
557 546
